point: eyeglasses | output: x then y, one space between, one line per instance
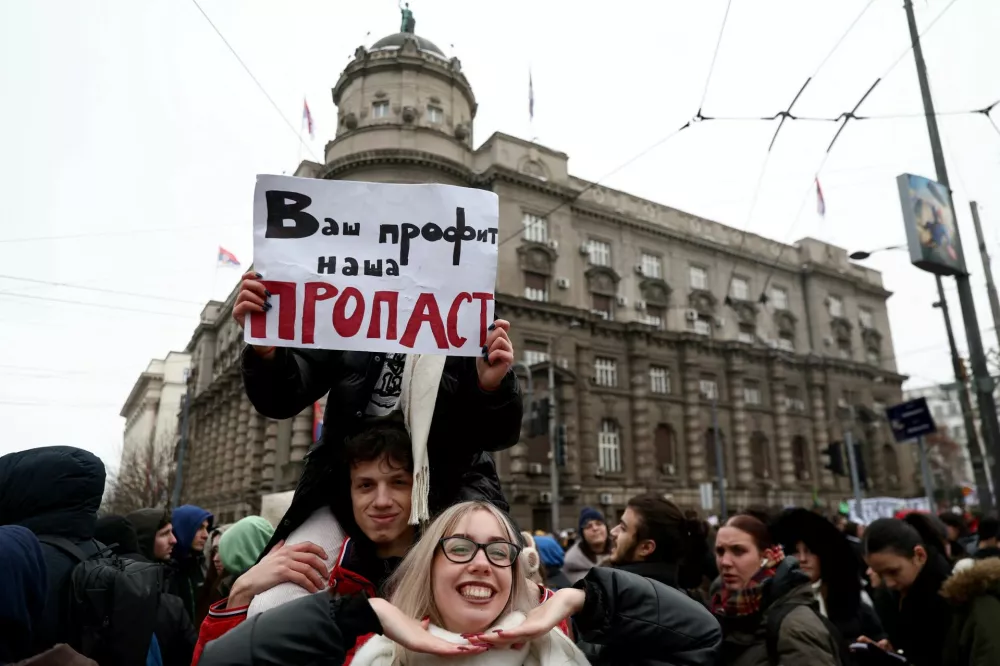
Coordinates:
462 551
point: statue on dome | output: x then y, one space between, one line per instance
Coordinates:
409 23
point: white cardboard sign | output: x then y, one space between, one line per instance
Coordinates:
374 267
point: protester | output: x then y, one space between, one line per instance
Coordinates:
552 562
476 409
828 558
986 546
974 636
242 544
54 491
23 590
190 525
464 577
909 557
175 634
766 610
155 532
960 542
592 549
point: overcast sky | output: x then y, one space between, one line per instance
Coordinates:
130 139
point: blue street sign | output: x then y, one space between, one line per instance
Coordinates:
910 420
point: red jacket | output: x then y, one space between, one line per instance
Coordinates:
342 580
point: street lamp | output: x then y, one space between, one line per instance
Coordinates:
861 255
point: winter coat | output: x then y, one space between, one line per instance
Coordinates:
174 631
54 490
919 625
576 563
803 639
661 572
468 423
188 574
974 635
23 588
625 614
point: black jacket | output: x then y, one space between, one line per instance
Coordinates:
661 572
468 423
54 490
638 620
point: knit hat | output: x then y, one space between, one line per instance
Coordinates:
588 514
243 542
417 399
551 552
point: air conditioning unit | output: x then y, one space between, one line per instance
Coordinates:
720 322
638 269
841 403
562 283
640 305
584 249
599 473
604 499
600 313
828 341
563 363
691 315
545 497
535 468
554 244
669 469
621 301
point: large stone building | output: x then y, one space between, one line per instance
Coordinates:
649 313
152 406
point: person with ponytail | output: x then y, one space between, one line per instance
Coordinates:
909 557
766 605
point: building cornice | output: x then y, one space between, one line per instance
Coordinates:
422 158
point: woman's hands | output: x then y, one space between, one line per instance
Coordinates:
540 621
413 635
497 357
302 563
253 297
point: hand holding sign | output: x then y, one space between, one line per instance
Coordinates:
429 255
498 355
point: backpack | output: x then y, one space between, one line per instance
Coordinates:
112 604
776 616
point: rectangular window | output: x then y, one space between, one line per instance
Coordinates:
605 371
740 289
702 325
747 334
751 393
652 266
603 306
779 298
536 287
609 447
836 305
536 229
653 316
844 349
600 252
380 109
873 357
709 388
867 318
535 353
659 380
435 114
793 399
786 342
699 278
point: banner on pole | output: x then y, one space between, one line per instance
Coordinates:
931 227
373 266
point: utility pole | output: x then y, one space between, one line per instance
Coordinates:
925 470
553 431
991 288
852 461
175 498
981 380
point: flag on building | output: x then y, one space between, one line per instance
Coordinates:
227 258
820 202
307 118
531 97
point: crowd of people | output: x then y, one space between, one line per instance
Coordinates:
399 548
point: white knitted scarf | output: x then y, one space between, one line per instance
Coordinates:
421 380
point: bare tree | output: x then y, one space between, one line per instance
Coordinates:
144 479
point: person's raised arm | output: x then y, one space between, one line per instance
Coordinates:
280 382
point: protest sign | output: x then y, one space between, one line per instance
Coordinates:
373 266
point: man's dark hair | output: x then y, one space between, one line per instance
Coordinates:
678 538
989 528
388 439
954 520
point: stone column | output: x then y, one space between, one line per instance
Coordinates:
517 467
693 434
268 474
741 442
816 380
229 441
786 464
642 459
243 452
255 435
569 402
587 441
213 470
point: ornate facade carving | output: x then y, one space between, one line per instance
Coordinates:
703 301
536 258
602 280
655 291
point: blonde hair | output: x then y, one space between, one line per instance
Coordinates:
410 588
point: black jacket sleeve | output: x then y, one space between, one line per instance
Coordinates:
492 418
174 631
293 379
646 619
318 629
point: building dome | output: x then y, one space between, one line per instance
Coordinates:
399 38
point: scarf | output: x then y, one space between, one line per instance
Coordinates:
744 602
552 649
418 396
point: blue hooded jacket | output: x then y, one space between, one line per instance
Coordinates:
550 551
23 589
186 521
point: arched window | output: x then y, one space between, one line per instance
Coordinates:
891 463
760 454
609 451
665 443
800 457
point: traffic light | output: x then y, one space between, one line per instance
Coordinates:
539 418
835 453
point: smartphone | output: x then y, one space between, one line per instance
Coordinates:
873 655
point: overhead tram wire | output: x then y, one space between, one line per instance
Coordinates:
923 32
117 232
34 297
70 285
260 86
715 55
